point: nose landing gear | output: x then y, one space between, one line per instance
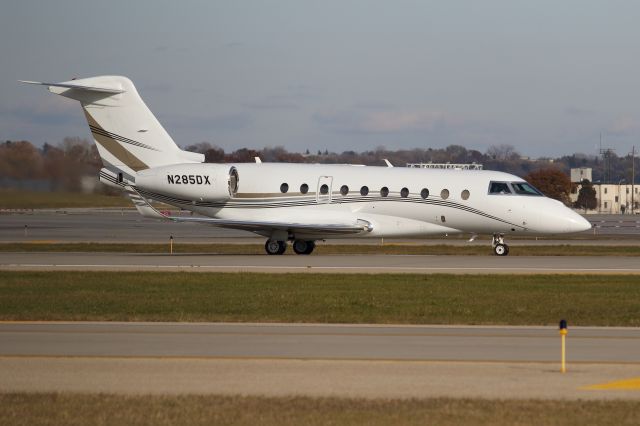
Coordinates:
500 248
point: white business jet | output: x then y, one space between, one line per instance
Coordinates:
302 203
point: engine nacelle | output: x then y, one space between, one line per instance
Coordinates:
191 181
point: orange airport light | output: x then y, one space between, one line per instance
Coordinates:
563 335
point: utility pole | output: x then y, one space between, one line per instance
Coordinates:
606 159
633 178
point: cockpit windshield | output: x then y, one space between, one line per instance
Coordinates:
499 188
511 188
524 188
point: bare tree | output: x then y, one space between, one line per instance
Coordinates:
502 152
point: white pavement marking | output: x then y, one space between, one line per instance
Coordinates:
330 268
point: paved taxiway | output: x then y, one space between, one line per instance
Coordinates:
126 225
302 341
346 360
321 263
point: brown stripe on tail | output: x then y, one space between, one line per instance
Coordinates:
114 147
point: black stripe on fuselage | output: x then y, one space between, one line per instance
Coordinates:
237 203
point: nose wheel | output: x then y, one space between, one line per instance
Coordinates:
274 247
500 248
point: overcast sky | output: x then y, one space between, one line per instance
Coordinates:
546 76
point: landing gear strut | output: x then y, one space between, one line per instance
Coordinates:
303 247
500 248
275 247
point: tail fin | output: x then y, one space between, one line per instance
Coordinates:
129 138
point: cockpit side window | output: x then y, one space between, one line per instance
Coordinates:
524 188
499 188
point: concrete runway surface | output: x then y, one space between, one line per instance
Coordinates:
126 225
321 264
309 359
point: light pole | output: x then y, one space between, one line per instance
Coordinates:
633 178
599 196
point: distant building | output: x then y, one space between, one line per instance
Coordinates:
612 198
451 166
580 174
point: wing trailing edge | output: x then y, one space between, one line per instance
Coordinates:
261 227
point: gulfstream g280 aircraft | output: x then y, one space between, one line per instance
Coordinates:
302 203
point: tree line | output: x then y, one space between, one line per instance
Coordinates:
63 166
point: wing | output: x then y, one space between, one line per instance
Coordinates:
260 227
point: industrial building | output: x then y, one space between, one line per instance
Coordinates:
613 198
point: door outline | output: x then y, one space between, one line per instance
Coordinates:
324 198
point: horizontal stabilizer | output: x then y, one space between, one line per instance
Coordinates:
70 85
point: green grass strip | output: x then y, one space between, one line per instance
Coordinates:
396 249
14 199
100 409
612 300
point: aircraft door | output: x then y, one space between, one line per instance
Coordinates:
323 192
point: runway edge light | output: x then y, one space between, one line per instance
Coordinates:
563 335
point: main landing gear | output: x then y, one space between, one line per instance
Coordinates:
275 247
303 247
299 246
500 248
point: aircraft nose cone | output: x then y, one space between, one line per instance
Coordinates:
556 218
577 223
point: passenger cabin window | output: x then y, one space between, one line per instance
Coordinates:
324 189
424 193
524 188
499 188
364 191
344 190
384 191
465 194
304 188
404 192
284 188
444 194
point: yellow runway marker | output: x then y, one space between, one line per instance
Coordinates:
629 384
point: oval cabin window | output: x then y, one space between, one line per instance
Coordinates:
284 188
304 188
465 194
384 191
404 192
364 191
444 194
324 189
344 189
424 193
